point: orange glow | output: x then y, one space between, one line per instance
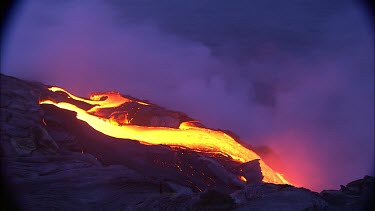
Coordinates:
242 178
114 99
44 122
186 136
282 178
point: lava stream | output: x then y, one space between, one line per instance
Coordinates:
186 136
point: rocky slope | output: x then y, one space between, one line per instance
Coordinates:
51 160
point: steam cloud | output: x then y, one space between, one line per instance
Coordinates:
297 78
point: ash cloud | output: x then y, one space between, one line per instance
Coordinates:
296 77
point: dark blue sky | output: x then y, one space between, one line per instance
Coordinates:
297 76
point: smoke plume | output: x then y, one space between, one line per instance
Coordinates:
296 77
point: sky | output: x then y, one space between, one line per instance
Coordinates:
296 76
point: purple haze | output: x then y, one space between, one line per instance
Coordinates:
296 77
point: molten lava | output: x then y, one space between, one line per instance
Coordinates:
186 136
242 178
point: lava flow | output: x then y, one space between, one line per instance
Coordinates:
186 136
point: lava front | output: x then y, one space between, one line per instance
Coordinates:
186 136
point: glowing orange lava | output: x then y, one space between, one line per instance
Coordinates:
44 122
242 178
186 136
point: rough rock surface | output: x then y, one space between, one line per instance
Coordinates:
51 160
356 195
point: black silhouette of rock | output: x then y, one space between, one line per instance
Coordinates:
52 160
214 200
356 195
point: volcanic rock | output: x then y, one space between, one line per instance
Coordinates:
52 160
278 197
250 171
356 195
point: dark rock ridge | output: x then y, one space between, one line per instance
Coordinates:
51 160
